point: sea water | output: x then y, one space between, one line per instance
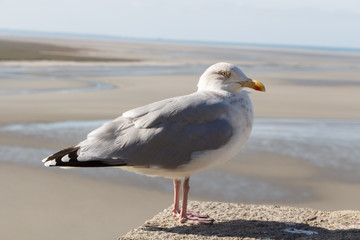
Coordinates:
321 142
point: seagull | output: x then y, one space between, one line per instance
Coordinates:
176 137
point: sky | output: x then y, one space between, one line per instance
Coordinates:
323 23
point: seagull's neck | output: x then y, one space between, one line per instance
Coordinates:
211 89
218 92
216 86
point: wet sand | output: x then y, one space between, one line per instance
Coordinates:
38 203
46 203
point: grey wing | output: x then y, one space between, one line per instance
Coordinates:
163 134
196 107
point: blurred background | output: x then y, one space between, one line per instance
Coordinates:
66 67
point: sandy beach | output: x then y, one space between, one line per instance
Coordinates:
114 76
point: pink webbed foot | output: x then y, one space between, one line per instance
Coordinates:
194 218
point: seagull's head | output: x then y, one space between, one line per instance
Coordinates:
227 77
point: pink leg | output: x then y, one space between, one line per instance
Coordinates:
177 183
185 215
186 188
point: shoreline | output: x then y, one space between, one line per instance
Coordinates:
133 91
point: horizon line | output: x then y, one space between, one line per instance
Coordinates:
37 33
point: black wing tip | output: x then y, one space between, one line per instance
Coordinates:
90 164
71 160
56 158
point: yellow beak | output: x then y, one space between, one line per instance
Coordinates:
254 84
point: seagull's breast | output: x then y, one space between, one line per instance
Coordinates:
240 115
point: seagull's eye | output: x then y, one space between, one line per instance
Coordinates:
225 74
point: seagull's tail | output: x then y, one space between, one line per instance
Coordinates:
68 158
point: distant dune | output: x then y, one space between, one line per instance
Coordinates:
32 51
